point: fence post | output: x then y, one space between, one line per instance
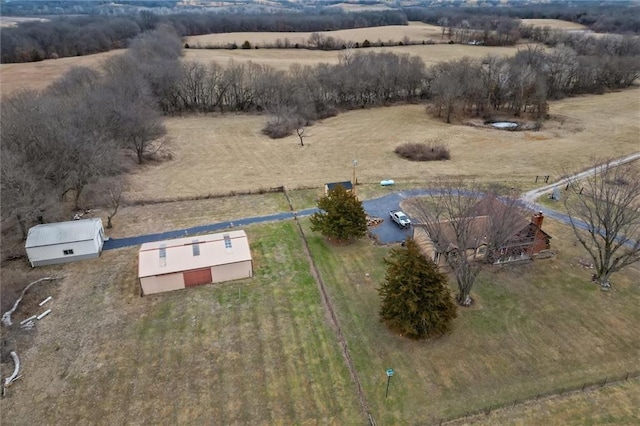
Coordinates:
584 386
605 381
626 378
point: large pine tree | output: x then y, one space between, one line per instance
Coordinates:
416 301
342 216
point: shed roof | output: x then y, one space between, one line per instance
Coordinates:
346 185
63 232
166 257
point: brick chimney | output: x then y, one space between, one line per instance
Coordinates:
537 219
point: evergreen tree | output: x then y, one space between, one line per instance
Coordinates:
416 301
342 216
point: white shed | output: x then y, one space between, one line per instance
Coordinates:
63 242
187 262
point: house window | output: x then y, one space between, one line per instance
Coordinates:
67 252
196 248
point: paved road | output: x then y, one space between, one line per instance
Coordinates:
529 198
387 232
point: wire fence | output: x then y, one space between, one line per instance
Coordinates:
586 386
335 325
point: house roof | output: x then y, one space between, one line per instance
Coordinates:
481 215
446 237
166 257
63 232
346 185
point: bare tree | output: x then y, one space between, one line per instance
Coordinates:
114 190
443 22
505 216
446 217
133 120
300 132
24 196
604 211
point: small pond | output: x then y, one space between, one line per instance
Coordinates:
504 125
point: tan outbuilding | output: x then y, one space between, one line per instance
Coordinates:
188 262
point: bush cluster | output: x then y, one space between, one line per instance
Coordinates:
423 152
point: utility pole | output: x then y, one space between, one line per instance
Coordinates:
355 180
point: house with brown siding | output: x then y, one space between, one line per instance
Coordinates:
523 238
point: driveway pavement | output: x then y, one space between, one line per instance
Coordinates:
387 232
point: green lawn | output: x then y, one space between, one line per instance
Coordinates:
260 351
533 329
617 404
256 351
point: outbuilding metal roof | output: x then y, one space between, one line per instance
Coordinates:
166 257
347 185
63 232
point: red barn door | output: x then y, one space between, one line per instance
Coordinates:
197 277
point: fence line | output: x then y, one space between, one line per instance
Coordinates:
333 319
608 380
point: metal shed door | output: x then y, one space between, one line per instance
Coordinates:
197 277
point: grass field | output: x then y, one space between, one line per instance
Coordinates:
38 75
230 153
282 59
616 404
162 217
13 21
260 350
534 328
414 31
255 351
554 23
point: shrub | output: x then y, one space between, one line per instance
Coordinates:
366 43
423 152
246 45
280 127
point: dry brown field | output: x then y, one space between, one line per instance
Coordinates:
350 7
217 154
282 59
414 31
38 75
13 21
554 23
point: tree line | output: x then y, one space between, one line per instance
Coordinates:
621 17
514 85
61 37
61 141
57 143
